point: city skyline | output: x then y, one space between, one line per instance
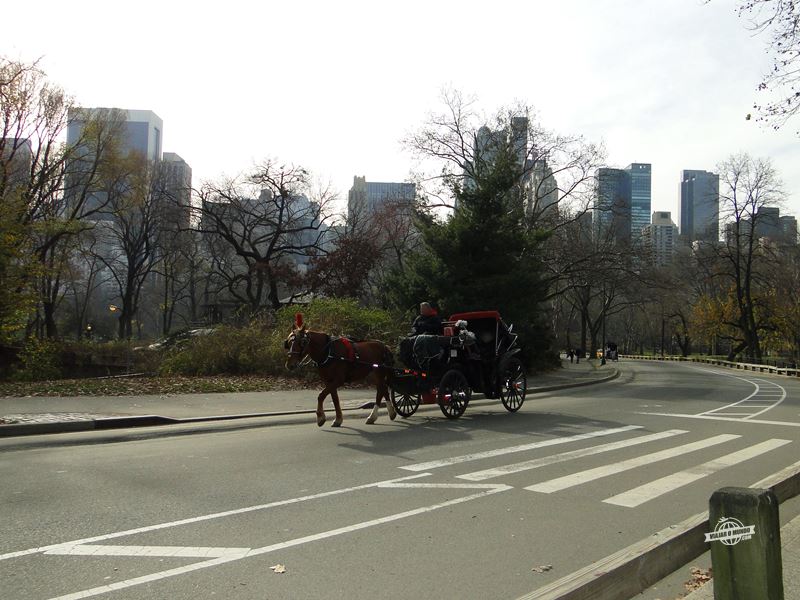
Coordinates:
144 128
641 111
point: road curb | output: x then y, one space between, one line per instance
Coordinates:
566 386
108 423
632 570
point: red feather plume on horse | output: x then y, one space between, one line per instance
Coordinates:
298 320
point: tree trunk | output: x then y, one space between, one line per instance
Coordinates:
50 327
165 325
733 351
584 319
274 300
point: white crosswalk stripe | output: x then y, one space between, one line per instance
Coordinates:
630 498
561 483
435 464
649 491
565 456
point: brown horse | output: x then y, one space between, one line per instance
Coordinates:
337 364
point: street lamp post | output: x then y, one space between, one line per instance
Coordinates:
114 308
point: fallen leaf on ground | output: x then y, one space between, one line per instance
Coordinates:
542 568
278 568
699 578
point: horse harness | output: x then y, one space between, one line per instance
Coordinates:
351 354
349 344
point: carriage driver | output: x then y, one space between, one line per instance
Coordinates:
428 322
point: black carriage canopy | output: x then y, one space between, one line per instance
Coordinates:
493 335
488 332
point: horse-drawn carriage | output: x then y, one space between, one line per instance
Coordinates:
476 353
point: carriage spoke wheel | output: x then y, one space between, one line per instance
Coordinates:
513 385
405 404
454 394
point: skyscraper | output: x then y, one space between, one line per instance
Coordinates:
16 158
699 208
611 213
660 237
142 131
367 197
176 212
140 134
789 229
538 185
770 225
542 188
640 198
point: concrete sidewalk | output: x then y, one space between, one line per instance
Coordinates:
790 550
34 415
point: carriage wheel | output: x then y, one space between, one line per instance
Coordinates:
454 394
405 404
513 385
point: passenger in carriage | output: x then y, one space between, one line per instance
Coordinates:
427 322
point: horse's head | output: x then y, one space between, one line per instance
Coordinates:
296 343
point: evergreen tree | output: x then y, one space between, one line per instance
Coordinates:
483 257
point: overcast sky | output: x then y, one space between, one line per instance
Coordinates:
334 86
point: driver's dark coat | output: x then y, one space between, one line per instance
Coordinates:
431 325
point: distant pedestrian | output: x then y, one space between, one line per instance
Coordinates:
571 355
577 356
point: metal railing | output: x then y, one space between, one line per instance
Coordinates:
789 372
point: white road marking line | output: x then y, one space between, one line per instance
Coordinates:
715 418
560 483
227 513
565 456
435 464
158 551
773 393
776 403
727 414
487 490
649 491
732 404
441 486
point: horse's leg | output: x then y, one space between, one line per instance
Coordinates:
339 416
373 416
321 411
383 390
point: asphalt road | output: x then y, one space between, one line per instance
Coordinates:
421 508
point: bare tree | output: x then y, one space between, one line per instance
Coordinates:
780 19
33 115
129 238
748 188
371 244
555 171
84 278
45 185
261 228
176 278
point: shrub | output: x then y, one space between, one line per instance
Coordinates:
38 360
257 348
229 349
344 316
